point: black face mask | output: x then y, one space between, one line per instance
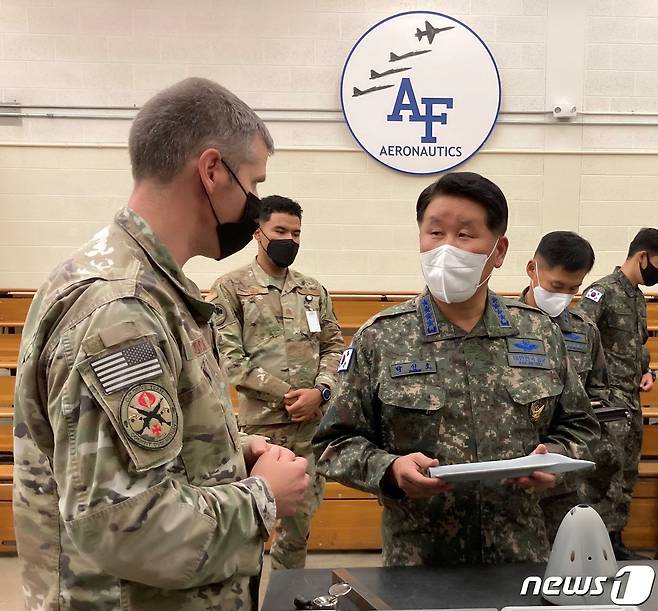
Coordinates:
233 237
282 252
649 273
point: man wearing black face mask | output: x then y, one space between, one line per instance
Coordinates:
134 488
282 345
617 306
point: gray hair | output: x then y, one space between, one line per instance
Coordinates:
187 118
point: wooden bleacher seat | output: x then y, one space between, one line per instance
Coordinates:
652 316
7 537
650 399
642 529
652 344
7 386
6 430
347 518
353 311
9 348
13 312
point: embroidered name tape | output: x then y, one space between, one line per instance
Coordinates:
412 368
127 367
575 346
520 359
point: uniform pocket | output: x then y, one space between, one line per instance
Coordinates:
534 401
412 414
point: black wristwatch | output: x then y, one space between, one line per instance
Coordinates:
325 391
653 374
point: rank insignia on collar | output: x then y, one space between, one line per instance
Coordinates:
500 313
429 318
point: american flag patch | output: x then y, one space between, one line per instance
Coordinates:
127 367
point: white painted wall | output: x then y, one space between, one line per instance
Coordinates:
60 179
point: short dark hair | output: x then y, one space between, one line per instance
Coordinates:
278 203
566 249
646 239
181 121
474 187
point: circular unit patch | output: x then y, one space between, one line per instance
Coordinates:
148 416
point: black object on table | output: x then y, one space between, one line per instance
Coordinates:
464 587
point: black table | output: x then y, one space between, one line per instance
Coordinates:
422 587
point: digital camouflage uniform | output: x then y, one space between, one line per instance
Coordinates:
597 487
414 382
131 490
269 349
619 310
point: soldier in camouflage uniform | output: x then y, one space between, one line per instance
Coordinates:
282 345
617 306
133 487
561 262
455 375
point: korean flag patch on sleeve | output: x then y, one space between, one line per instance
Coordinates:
594 295
346 360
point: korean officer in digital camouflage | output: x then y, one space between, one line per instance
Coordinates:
556 272
282 344
616 304
455 375
133 487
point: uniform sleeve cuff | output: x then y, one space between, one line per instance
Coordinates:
382 478
263 499
326 380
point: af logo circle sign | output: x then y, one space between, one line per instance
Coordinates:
420 92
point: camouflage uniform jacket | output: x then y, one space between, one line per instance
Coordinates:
583 342
131 490
268 342
619 310
414 382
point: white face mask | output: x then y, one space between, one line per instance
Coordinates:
452 274
551 303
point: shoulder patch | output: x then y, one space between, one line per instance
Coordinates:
127 367
220 314
148 416
396 310
510 302
346 360
594 295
